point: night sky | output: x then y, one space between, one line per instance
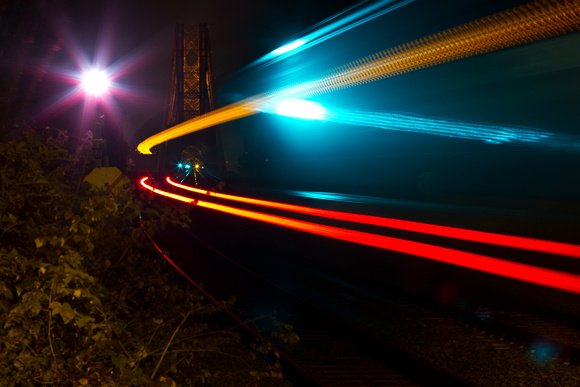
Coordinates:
142 32
139 33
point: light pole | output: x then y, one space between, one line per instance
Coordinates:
96 83
96 86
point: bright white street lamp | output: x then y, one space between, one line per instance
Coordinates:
95 82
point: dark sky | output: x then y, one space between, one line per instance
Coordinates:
239 30
140 33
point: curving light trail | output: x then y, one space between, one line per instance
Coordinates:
519 271
532 244
530 22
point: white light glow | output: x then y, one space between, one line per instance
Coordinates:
95 82
289 47
301 109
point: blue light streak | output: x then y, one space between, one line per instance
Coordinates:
346 20
490 133
406 122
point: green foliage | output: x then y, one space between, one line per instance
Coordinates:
85 298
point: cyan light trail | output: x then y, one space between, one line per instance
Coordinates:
524 24
490 133
537 20
494 134
346 20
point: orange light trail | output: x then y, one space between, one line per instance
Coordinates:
165 193
527 23
551 247
519 271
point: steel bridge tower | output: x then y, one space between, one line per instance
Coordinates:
191 88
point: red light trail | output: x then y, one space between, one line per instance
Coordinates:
558 248
523 272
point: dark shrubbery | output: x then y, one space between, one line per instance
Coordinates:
84 297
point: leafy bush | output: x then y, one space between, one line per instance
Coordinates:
84 298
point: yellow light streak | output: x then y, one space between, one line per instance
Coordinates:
216 117
530 22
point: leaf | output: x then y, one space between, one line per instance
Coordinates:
81 320
65 310
67 313
61 241
7 292
119 361
90 246
35 309
32 301
39 242
85 229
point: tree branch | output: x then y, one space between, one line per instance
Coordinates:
168 344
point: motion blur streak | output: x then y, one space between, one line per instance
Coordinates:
493 134
559 248
216 117
519 271
301 108
166 194
537 20
346 20
524 24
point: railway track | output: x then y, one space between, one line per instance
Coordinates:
333 353
336 362
518 327
351 338
330 351
560 332
484 351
